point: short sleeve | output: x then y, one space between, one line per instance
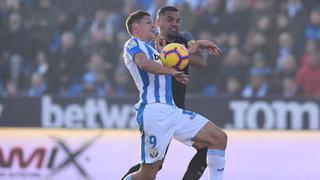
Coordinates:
187 36
132 47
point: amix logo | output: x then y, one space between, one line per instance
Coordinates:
40 159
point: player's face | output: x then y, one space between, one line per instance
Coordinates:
168 24
146 28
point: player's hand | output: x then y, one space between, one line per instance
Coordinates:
212 47
181 77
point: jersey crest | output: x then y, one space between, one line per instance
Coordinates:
131 44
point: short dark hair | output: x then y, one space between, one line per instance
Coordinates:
134 17
164 9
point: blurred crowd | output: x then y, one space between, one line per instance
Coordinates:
74 47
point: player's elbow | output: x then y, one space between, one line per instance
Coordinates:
203 64
145 66
199 63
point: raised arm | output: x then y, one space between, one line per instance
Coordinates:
196 48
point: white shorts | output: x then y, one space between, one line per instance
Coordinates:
159 123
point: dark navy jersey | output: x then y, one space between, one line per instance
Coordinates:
179 89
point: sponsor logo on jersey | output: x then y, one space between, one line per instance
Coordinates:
157 59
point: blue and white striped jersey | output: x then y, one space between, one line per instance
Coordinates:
153 88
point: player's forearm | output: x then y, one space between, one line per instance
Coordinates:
197 59
151 66
156 68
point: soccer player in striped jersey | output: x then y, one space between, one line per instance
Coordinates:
158 117
168 23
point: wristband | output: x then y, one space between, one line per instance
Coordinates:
191 42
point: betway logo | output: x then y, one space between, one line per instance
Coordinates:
275 115
94 113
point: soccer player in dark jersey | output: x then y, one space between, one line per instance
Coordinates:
168 22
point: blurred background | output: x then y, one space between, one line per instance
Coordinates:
61 68
74 47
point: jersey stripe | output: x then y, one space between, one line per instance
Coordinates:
145 80
156 88
156 77
141 125
168 92
153 88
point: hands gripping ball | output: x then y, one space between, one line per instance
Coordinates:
175 55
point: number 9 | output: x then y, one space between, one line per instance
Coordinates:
153 141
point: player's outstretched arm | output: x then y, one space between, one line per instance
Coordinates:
204 44
195 49
156 68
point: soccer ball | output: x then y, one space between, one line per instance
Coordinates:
175 55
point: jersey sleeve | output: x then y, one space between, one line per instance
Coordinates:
132 47
187 36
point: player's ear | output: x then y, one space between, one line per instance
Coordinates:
157 22
135 26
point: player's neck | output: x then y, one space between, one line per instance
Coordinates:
161 36
141 37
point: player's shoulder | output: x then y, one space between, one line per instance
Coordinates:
131 43
186 36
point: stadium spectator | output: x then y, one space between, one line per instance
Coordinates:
263 25
288 72
312 30
38 86
213 20
15 42
102 26
298 15
233 87
68 62
43 24
286 46
282 23
308 77
11 89
95 80
122 81
311 46
274 28
258 85
41 65
290 88
234 64
256 42
238 19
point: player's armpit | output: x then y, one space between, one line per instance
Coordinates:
140 59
